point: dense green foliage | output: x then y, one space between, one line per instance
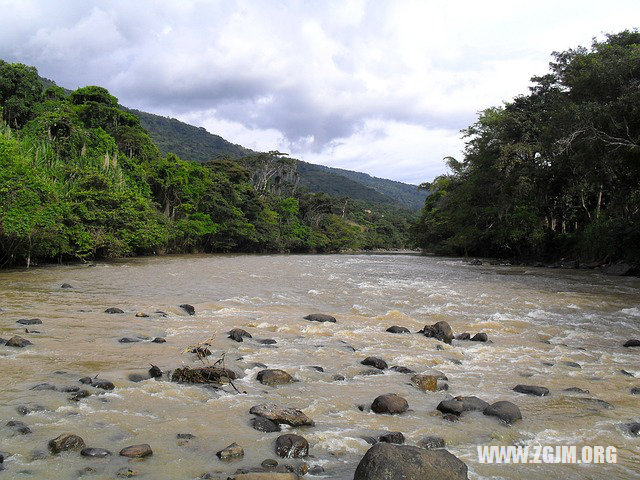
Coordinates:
195 143
81 178
552 174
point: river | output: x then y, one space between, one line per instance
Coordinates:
535 318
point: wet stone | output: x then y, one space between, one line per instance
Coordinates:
137 451
375 362
231 452
18 428
634 391
291 446
398 329
28 409
190 309
137 377
238 334
159 340
129 340
43 386
86 380
95 452
280 414
338 378
155 372
480 337
267 341
532 390
575 390
572 364
472 403
454 407
389 403
320 317
114 310
426 383
79 395
634 342
506 411
127 473
401 369
431 442
274 377
29 321
66 442
185 436
392 437
66 285
264 425
103 384
18 342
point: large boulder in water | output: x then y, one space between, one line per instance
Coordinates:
274 377
238 334
397 329
18 342
66 441
375 362
280 414
472 403
292 446
203 375
385 461
506 411
531 390
320 317
439 330
390 403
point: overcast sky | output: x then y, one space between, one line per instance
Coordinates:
382 87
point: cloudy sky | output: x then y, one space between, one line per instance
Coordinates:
382 87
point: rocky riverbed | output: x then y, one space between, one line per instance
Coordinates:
336 366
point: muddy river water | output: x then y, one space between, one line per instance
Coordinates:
537 319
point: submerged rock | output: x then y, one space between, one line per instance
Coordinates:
633 391
18 428
43 386
29 321
203 375
159 340
103 384
397 329
506 411
190 309
632 428
375 362
472 404
137 451
142 315
95 452
401 369
231 452
480 337
453 406
439 330
18 342
634 342
320 317
392 437
385 461
113 310
431 442
390 403
571 364
66 285
129 340
28 409
463 336
264 425
281 415
531 390
65 442
575 390
238 334
292 446
274 377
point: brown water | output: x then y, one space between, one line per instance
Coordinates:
518 307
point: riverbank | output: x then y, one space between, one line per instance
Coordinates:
546 328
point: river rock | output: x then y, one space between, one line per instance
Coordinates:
231 452
291 446
375 362
475 262
575 390
627 373
129 340
632 428
426 383
463 336
531 390
594 402
397 329
634 391
159 340
79 395
43 386
506 411
370 371
66 285
392 437
267 341
431 442
390 403
190 309
204 375
238 334
453 406
264 425
401 369
95 452
480 337
472 404
64 442
28 409
103 384
126 472
274 377
634 342
29 321
571 364
113 310
451 417
385 461
439 330
281 415
137 451
142 315
338 378
18 427
155 372
18 342
320 317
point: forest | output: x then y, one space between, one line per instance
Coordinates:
551 175
81 179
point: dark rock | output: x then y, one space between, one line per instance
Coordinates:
267 341
155 372
440 331
159 340
129 340
369 440
204 375
475 262
371 371
455 361
65 442
161 313
280 414
43 386
453 406
316 470
274 377
575 390
291 446
506 411
463 336
231 452
137 377
397 329
79 395
190 309
628 374
547 364
426 383
392 437
316 368
19 428
141 315
113 310
480 337
185 436
375 362
125 472
28 409
338 378
103 384
385 461
86 380
264 425
66 285
95 452
3 341
632 428
472 404
400 369
390 403
320 317
634 391
431 442
572 364
29 321
18 342
531 390
137 451
634 342
238 334
451 417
